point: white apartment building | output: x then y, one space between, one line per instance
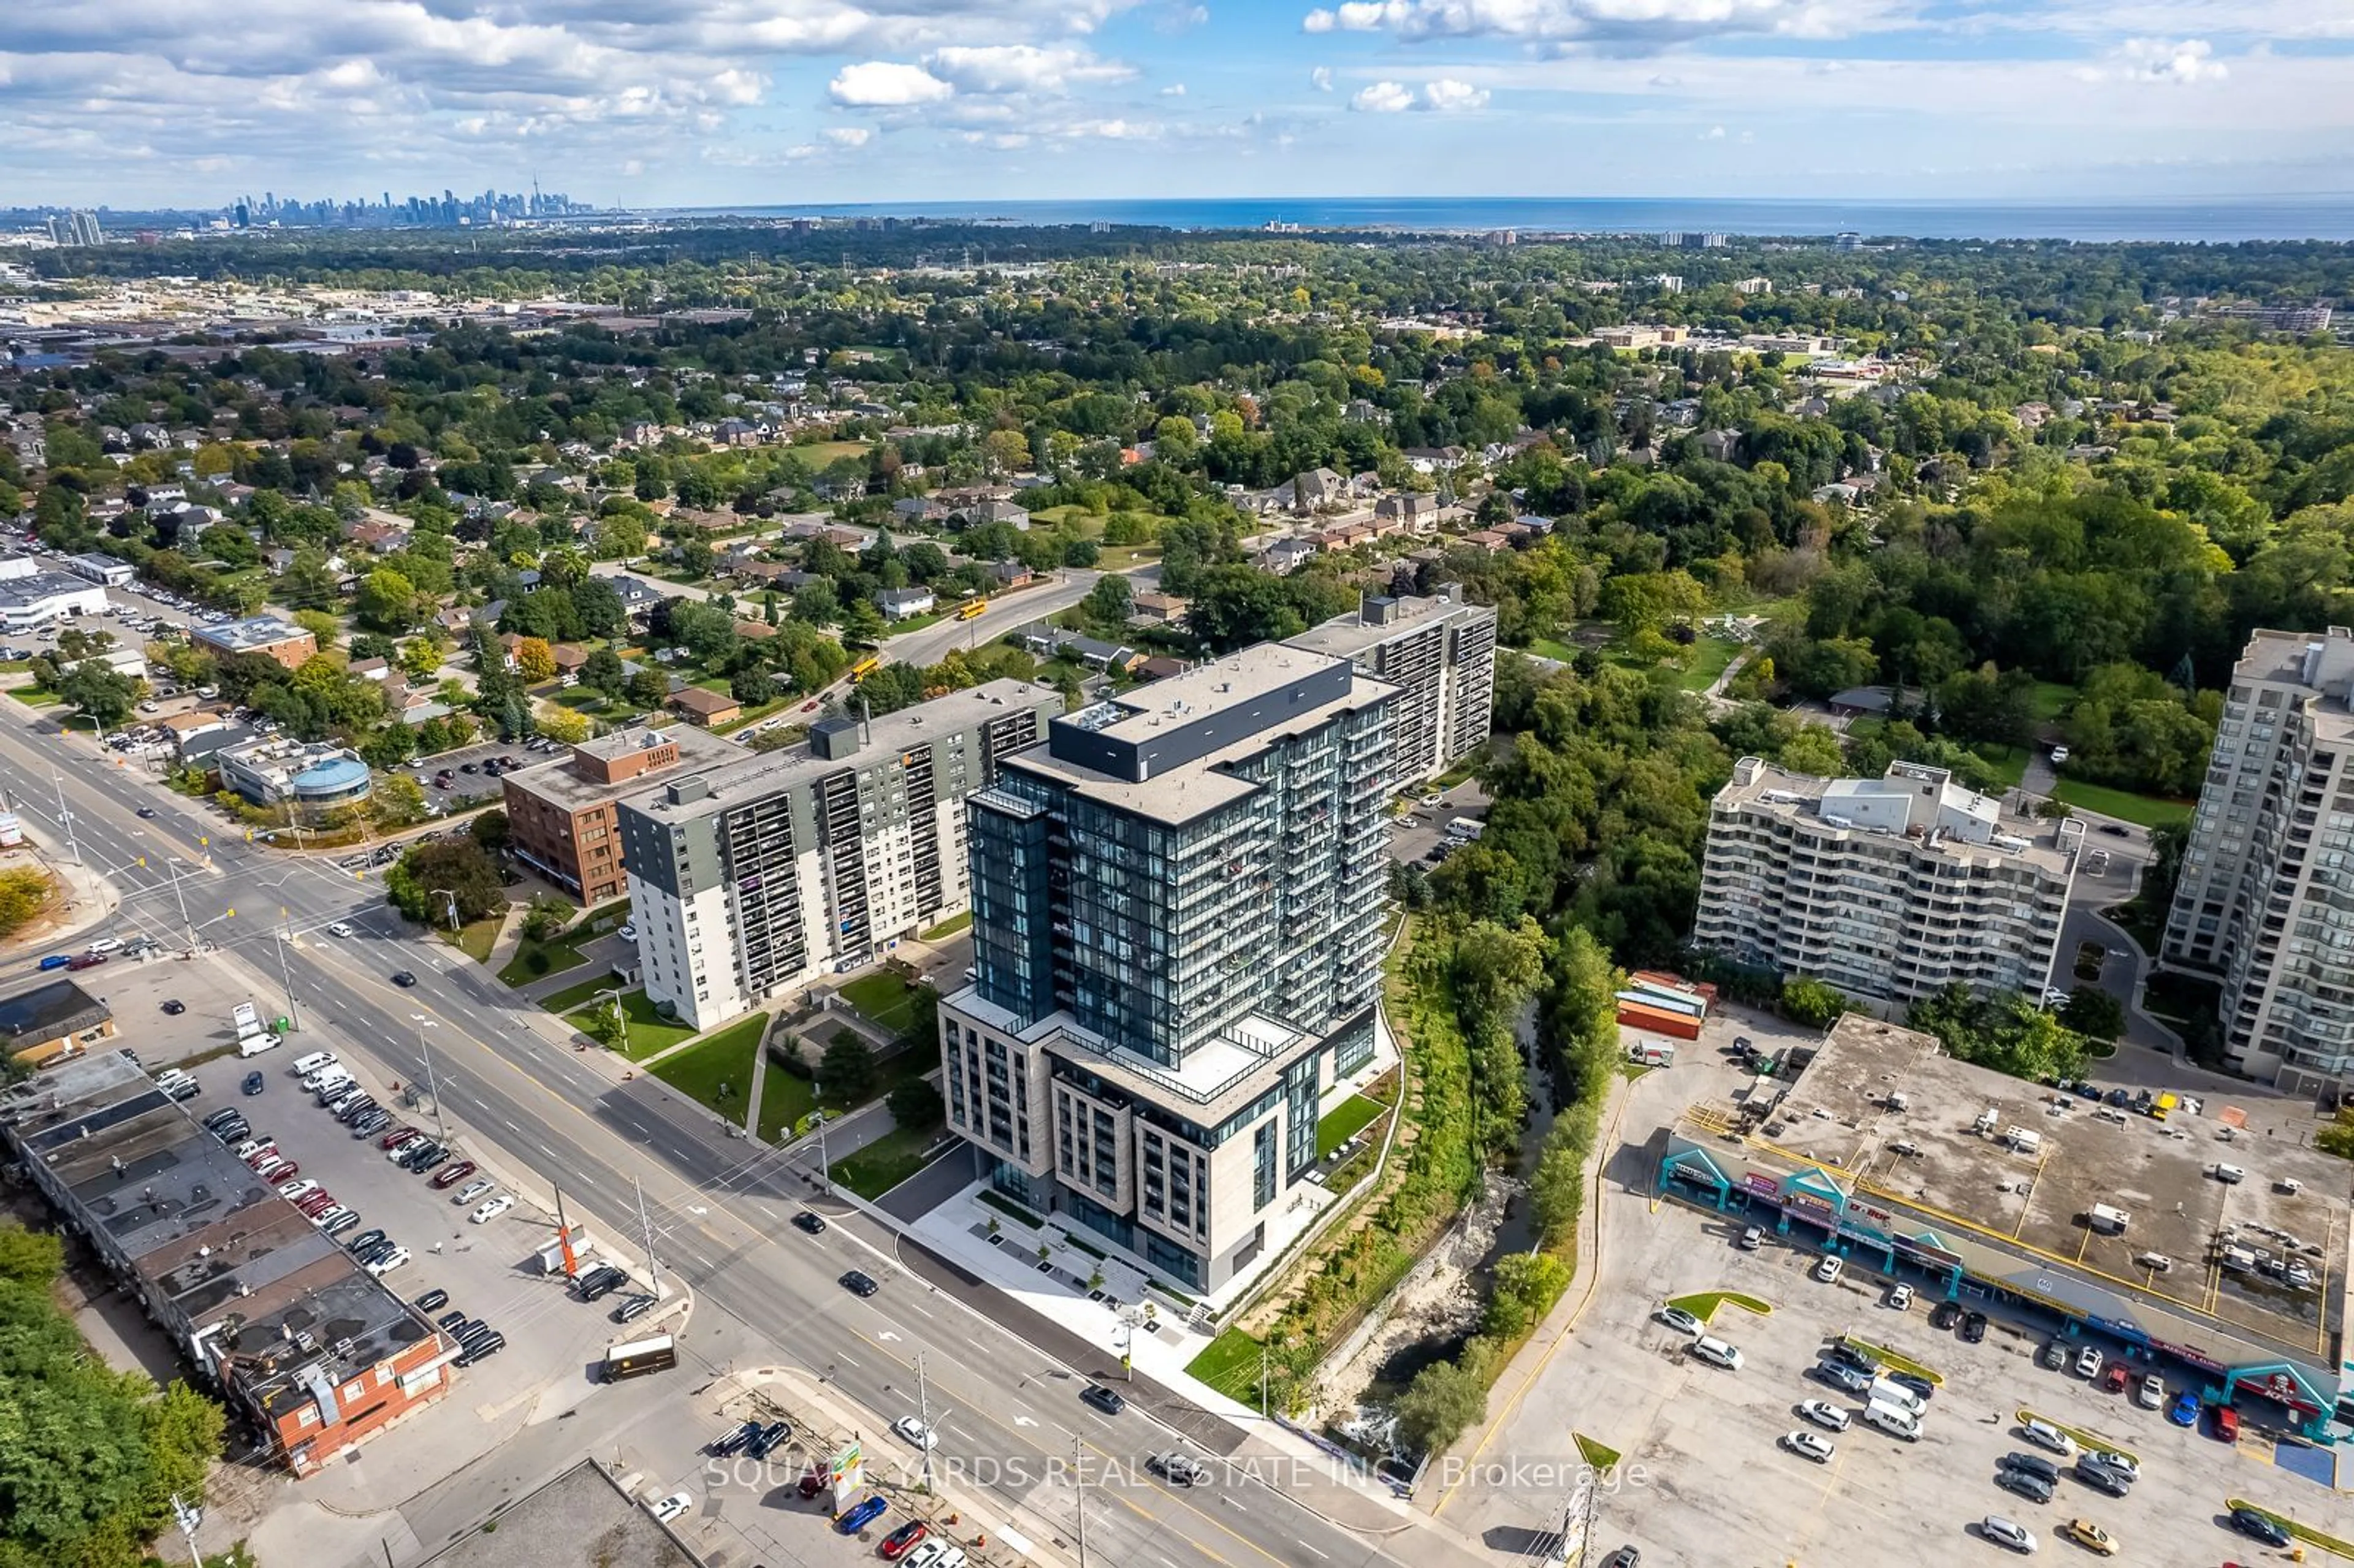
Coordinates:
751 879
2265 904
1439 650
1890 888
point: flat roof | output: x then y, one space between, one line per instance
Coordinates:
38 585
213 1237
254 632
1195 788
45 1012
1346 636
1923 806
752 776
1219 1077
2040 1198
560 785
579 1520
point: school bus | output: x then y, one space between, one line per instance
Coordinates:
865 667
972 609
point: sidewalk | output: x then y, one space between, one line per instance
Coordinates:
83 901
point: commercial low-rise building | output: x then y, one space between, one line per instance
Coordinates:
2217 1264
564 817
52 1021
1891 888
1439 651
1177 905
32 596
309 775
263 634
273 1315
753 878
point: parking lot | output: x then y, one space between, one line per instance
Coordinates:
1423 829
466 786
491 1270
1704 1477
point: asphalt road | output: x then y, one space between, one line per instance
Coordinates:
720 1207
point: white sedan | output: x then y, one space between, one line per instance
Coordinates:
1682 1322
492 1210
916 1433
472 1190
670 1507
1824 1413
339 930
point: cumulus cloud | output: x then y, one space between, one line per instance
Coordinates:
887 84
1175 90
1447 96
1321 78
1021 67
849 135
1619 25
1444 96
2154 59
1713 134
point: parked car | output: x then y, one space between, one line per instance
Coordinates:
731 1445
335 1223
677 1503
2091 1537
1900 1297
1751 1239
385 1263
1682 1322
1974 1328
2025 1483
2100 1479
492 1210
861 1514
253 1084
634 1309
452 1174
1829 1268
1809 1445
1945 1315
2114 1380
2111 1460
433 1301
2088 1362
2052 1356
2184 1412
1824 1413
896 1544
766 1441
1846 1379
473 1190
2045 1435
2261 1527
2227 1423
2151 1394
2007 1533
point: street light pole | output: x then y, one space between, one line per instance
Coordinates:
285 975
1079 1498
65 816
452 905
924 1418
432 1085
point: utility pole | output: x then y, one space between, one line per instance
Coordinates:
924 1418
187 1518
65 816
1079 1498
432 1085
1262 1382
285 975
646 1225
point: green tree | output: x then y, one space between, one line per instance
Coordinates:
398 800
24 892
104 696
862 622
388 601
2094 1013
1442 1403
1814 751
916 1105
648 688
847 1068
605 672
1811 1003
1109 601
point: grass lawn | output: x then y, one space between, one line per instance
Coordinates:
2145 810
649 1030
719 1072
885 1162
1348 1118
474 940
883 998
1703 1304
2048 699
1547 648
1708 659
2009 762
2084 1439
786 1097
537 960
2306 1533
1599 1454
948 927
573 996
817 454
1230 1365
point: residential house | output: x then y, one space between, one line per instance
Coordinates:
1287 556
1154 608
1009 574
1489 540
707 708
903 604
638 597
1719 445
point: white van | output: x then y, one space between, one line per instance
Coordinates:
255 1045
1883 1392
306 1066
1717 1352
2230 1175
1898 1424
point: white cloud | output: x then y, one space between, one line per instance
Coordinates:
849 135
1321 78
1616 25
887 84
1713 134
1022 68
1175 90
1447 96
1317 21
2154 59
1384 98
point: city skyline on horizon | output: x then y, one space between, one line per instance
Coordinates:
691 103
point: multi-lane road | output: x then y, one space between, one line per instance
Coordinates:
720 1204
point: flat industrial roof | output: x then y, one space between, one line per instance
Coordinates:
560 785
579 1520
2041 1197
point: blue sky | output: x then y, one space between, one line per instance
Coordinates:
706 101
